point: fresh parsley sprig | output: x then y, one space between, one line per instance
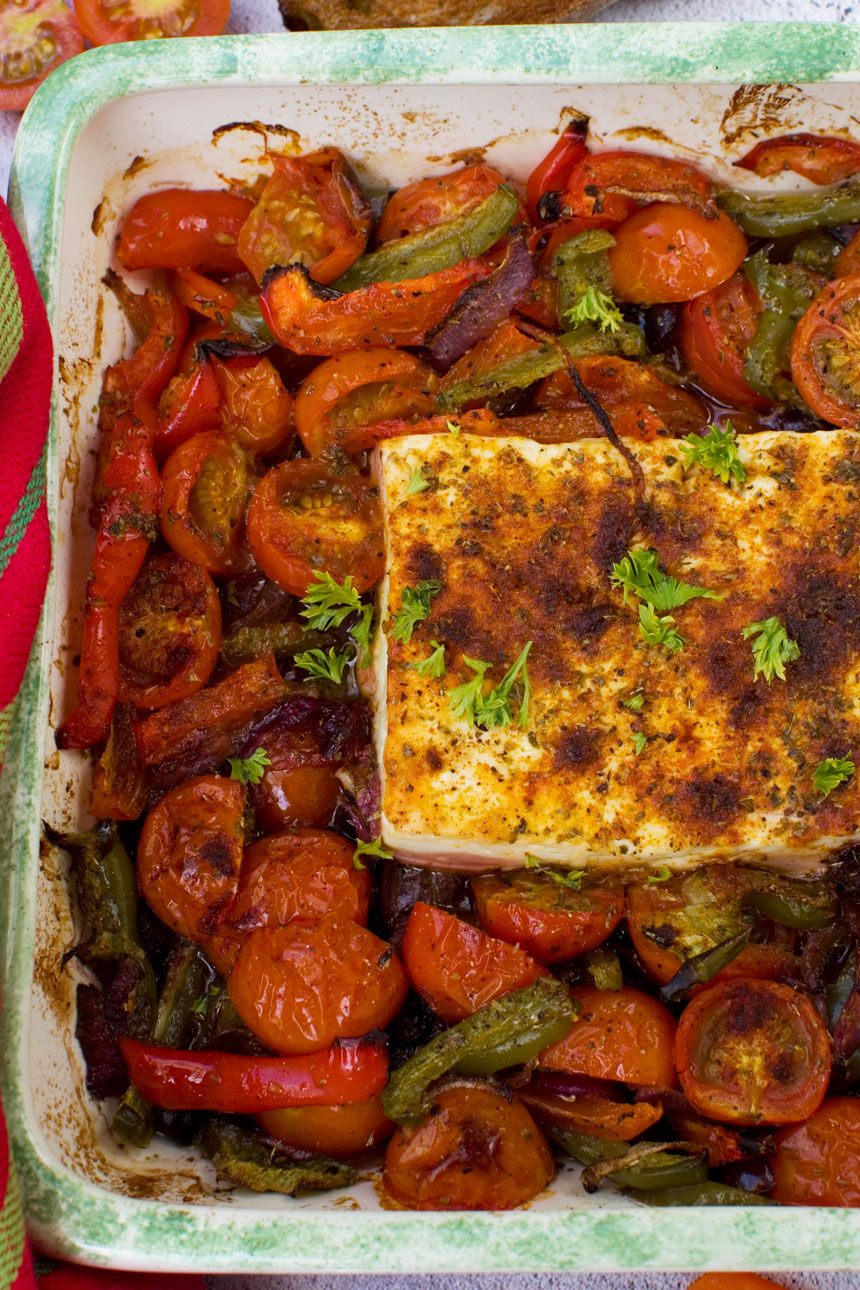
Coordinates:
639 574
418 482
639 742
328 603
414 608
596 306
564 877
375 849
659 631
635 703
716 451
493 710
327 667
832 772
663 874
434 664
772 648
250 770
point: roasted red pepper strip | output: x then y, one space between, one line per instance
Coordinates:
552 174
309 319
129 522
614 184
136 383
822 159
176 1080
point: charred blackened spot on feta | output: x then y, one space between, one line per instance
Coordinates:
710 801
425 564
434 761
578 746
823 615
613 533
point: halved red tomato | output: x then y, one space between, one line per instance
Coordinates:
429 202
620 1035
337 1131
715 330
824 159
184 228
190 405
256 410
311 212
207 483
669 252
299 785
818 1162
825 353
304 519
549 919
106 23
299 873
35 37
618 381
169 632
752 1052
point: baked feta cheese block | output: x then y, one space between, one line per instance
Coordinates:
602 717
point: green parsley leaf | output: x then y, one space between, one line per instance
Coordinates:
634 703
326 603
716 451
596 306
360 633
659 631
492 711
639 742
564 877
434 664
639 574
464 699
418 481
453 428
771 649
832 772
250 770
663 874
414 608
374 849
328 667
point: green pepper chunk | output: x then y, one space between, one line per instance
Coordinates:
604 968
664 1172
783 214
703 1193
246 644
432 249
243 1158
818 252
703 967
582 262
786 291
793 908
509 1031
583 1147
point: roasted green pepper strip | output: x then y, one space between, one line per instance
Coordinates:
793 909
703 1193
583 341
509 1031
786 292
779 215
188 975
246 644
818 252
701 968
440 247
242 1158
661 1172
604 968
583 1147
582 262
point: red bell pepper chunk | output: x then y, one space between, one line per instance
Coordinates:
822 159
190 405
136 383
176 1080
552 174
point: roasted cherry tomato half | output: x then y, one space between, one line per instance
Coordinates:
311 212
824 159
613 184
184 228
620 1035
825 353
715 330
299 785
818 1162
304 519
188 861
190 405
300 873
35 37
475 1150
457 968
105 23
359 387
548 919
256 410
208 481
669 252
337 1131
169 632
300 987
429 202
598 1117
752 1052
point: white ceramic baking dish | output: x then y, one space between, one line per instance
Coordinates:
105 128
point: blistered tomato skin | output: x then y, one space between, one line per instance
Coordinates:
299 786
338 1131
620 1035
818 1162
301 873
547 919
475 1150
300 987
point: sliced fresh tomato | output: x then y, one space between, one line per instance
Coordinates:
618 382
818 1162
824 159
670 252
256 410
203 296
299 873
300 987
715 330
825 353
208 481
621 1035
476 421
119 784
359 387
299 786
598 1117
752 1052
184 228
188 861
107 23
304 519
335 1131
614 184
190 405
475 1150
234 1084
169 632
429 202
308 319
457 968
549 919
311 212
553 172
35 37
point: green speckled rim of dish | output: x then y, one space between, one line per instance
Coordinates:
79 1220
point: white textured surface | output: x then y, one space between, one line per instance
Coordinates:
262 16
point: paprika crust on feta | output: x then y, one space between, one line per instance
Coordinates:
605 748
